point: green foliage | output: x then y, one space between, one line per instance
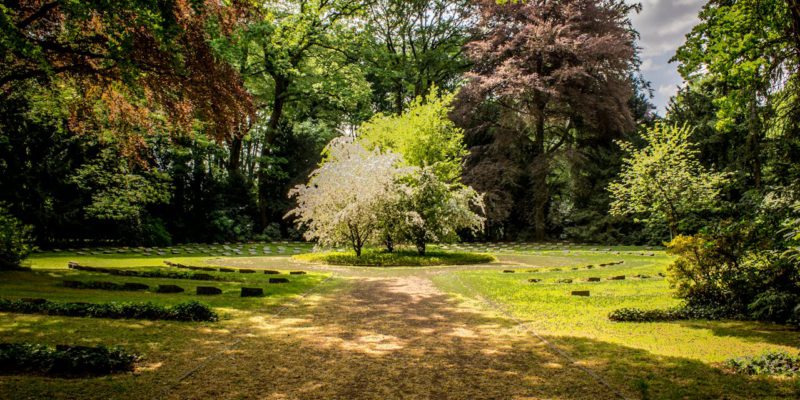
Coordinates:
664 181
775 306
378 258
18 358
669 314
188 311
769 363
147 274
707 271
15 240
101 285
434 211
423 134
118 192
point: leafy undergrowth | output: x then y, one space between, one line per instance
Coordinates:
769 363
75 361
189 311
399 258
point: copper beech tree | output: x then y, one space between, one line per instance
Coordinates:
144 61
551 67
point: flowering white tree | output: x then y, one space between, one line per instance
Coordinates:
345 196
434 211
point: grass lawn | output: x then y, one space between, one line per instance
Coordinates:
646 355
169 349
675 360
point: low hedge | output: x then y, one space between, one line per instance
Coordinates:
670 314
101 285
146 274
188 311
399 258
64 360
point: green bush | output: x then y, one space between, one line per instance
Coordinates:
15 240
774 306
64 360
105 285
154 233
770 363
671 314
189 311
271 233
146 274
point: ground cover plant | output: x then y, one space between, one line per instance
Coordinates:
188 311
75 361
382 258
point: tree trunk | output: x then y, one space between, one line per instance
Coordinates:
281 86
235 159
540 171
754 141
421 247
794 11
389 244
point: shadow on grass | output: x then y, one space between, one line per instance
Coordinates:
750 331
369 339
400 338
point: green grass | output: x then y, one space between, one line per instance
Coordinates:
168 348
398 258
649 353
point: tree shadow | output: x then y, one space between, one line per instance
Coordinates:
400 338
749 330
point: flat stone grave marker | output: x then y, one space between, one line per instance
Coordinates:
252 292
583 293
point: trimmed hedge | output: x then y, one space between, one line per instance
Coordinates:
146 274
64 360
188 311
105 285
177 265
670 314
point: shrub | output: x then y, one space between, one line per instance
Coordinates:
15 239
64 360
146 274
774 306
271 233
105 285
193 311
189 311
671 314
770 363
371 257
710 272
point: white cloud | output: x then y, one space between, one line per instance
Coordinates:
663 25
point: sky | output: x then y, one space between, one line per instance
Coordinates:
663 25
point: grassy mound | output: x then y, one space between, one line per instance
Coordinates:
399 258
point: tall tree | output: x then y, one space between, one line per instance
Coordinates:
550 67
135 57
295 54
412 45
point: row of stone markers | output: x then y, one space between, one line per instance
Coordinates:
215 249
527 247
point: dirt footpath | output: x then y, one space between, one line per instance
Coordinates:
387 338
